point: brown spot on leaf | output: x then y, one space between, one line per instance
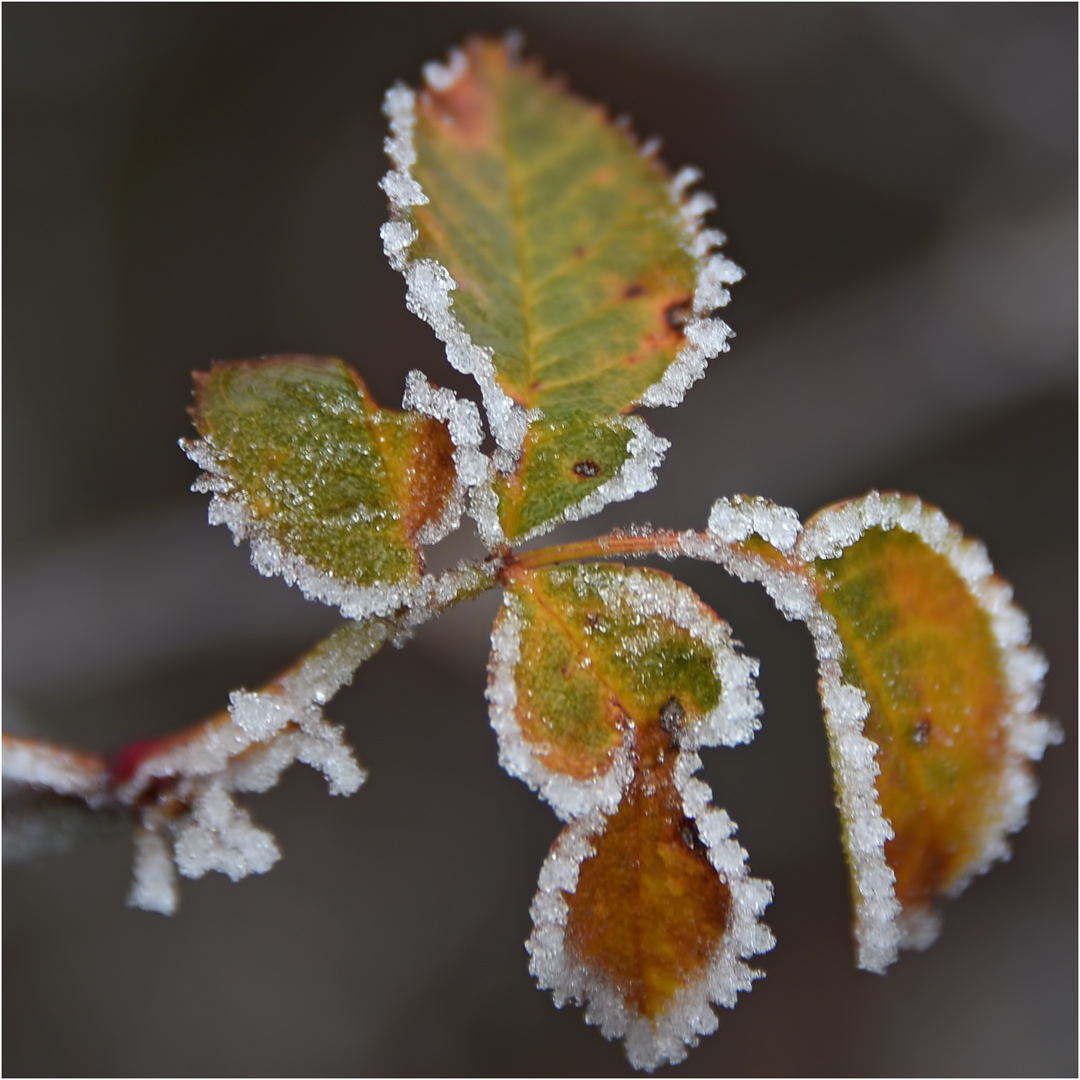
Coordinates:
586 469
921 734
634 290
679 313
672 716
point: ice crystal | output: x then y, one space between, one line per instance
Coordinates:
462 418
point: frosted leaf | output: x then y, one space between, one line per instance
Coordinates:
584 659
582 955
939 568
561 460
334 493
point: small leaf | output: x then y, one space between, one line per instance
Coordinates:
584 656
333 491
582 282
572 470
645 917
934 679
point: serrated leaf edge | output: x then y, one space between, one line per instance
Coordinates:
706 338
428 282
229 506
690 1014
837 528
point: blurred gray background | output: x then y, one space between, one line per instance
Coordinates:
184 183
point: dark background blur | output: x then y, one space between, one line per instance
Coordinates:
185 183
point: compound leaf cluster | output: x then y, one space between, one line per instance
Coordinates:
571 276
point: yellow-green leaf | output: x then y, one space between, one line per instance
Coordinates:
930 663
334 492
581 280
585 656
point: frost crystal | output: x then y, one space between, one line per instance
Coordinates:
193 813
706 338
470 464
428 282
689 1015
741 517
1028 734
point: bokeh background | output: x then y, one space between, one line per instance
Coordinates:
184 183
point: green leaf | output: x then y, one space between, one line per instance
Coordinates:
930 663
563 240
584 657
334 492
571 470
581 281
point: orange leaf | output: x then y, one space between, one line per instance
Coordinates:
646 917
930 691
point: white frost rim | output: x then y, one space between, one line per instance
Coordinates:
864 828
428 282
706 338
229 506
651 1044
1024 665
569 798
462 418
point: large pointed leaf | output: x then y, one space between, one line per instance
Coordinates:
562 238
930 660
581 280
334 492
584 656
